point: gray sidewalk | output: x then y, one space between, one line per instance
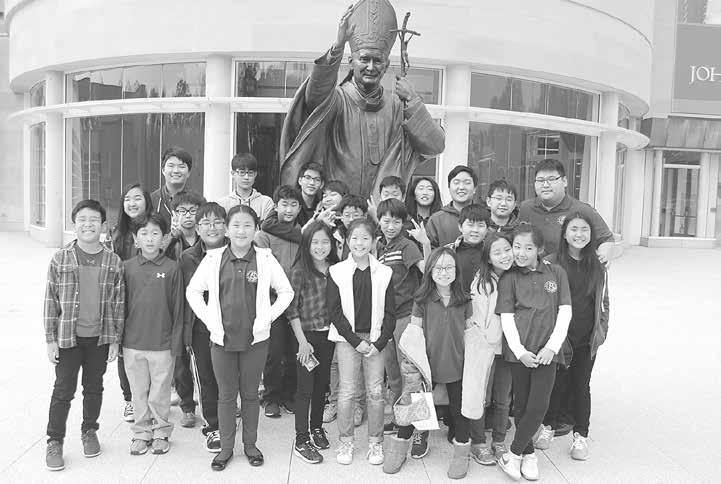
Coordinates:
656 394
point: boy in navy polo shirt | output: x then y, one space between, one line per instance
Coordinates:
153 335
83 317
407 262
473 224
534 302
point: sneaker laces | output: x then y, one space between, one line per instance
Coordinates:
375 448
214 434
54 448
345 447
417 438
579 442
546 433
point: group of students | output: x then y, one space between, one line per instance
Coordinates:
490 306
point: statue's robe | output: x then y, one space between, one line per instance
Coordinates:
358 140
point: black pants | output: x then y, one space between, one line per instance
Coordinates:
123 377
183 380
279 375
312 384
461 424
572 391
93 360
207 386
532 389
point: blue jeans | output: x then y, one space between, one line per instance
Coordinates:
350 364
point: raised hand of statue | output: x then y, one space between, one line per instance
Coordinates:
343 28
404 90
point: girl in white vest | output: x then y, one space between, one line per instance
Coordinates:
361 308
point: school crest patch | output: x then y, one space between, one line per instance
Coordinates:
561 219
550 287
251 276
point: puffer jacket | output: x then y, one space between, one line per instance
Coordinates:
600 324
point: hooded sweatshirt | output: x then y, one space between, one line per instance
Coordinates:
261 204
442 227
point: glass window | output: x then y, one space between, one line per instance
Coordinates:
679 193
262 79
488 91
141 149
37 174
78 87
529 96
183 80
699 12
512 152
106 84
142 81
295 74
426 82
561 102
37 95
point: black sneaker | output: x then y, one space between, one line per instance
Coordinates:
307 452
54 456
319 439
288 406
272 410
390 428
419 445
91 446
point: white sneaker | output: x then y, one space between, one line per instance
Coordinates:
545 437
128 412
579 447
345 453
510 463
330 412
375 453
529 467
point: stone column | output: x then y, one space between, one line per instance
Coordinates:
458 93
657 187
704 191
633 189
54 220
218 83
606 164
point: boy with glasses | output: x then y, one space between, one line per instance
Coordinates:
501 201
210 225
244 170
84 316
311 179
185 206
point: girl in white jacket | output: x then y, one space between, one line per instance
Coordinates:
238 279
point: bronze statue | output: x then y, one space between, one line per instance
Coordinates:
358 132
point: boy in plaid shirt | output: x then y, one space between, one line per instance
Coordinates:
83 316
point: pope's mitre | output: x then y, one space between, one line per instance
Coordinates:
371 25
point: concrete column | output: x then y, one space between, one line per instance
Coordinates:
458 93
54 179
217 153
633 185
657 186
606 163
703 196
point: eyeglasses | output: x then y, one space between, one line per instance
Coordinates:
217 224
312 179
183 212
548 179
243 173
504 199
446 269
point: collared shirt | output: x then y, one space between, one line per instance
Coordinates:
62 301
88 324
155 304
238 287
178 245
550 221
309 302
443 328
402 255
533 296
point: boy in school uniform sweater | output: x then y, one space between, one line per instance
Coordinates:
83 318
153 335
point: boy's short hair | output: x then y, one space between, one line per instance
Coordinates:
550 164
354 201
242 209
210 208
460 169
244 161
336 186
187 198
525 228
474 213
287 192
393 207
179 153
502 186
92 205
154 218
393 181
312 165
366 223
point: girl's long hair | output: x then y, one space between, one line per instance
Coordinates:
124 221
304 260
590 265
486 276
412 204
428 285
